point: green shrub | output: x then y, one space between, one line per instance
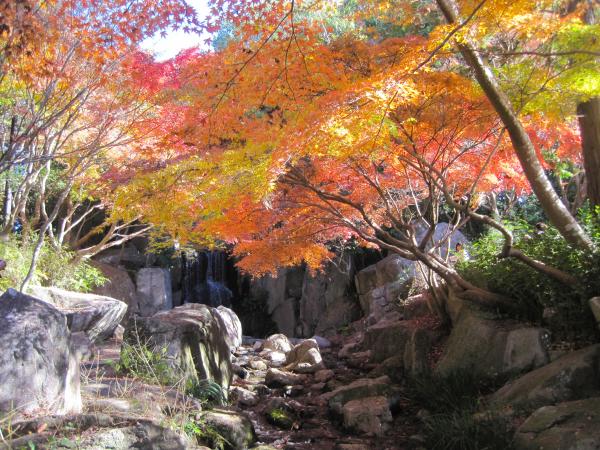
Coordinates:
568 315
206 434
140 360
55 267
208 392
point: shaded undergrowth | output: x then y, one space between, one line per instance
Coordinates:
451 416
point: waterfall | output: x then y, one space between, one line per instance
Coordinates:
203 278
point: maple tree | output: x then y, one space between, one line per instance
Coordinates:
68 103
310 123
288 141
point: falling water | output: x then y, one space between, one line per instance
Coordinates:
204 277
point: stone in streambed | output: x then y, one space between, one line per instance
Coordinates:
369 415
280 378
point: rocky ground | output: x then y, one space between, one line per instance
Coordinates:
160 383
343 405
370 412
287 410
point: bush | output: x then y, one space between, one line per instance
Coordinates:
140 360
55 267
567 313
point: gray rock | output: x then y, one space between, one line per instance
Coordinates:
394 268
39 369
303 304
81 346
328 300
305 357
153 291
128 255
386 339
193 337
323 342
566 426
235 427
146 435
233 326
458 308
571 377
119 285
417 352
393 367
366 280
244 396
494 348
368 415
442 237
358 389
282 294
280 378
394 278
278 343
258 364
95 315
273 358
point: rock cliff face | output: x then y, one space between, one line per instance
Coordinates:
302 304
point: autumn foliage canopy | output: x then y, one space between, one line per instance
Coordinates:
314 124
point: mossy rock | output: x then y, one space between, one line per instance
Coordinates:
234 427
280 418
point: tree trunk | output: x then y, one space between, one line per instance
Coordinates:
589 125
554 208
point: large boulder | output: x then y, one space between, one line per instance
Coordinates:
494 348
95 315
153 291
128 255
118 285
443 237
382 285
233 326
408 342
388 282
192 338
39 370
566 426
386 339
571 377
